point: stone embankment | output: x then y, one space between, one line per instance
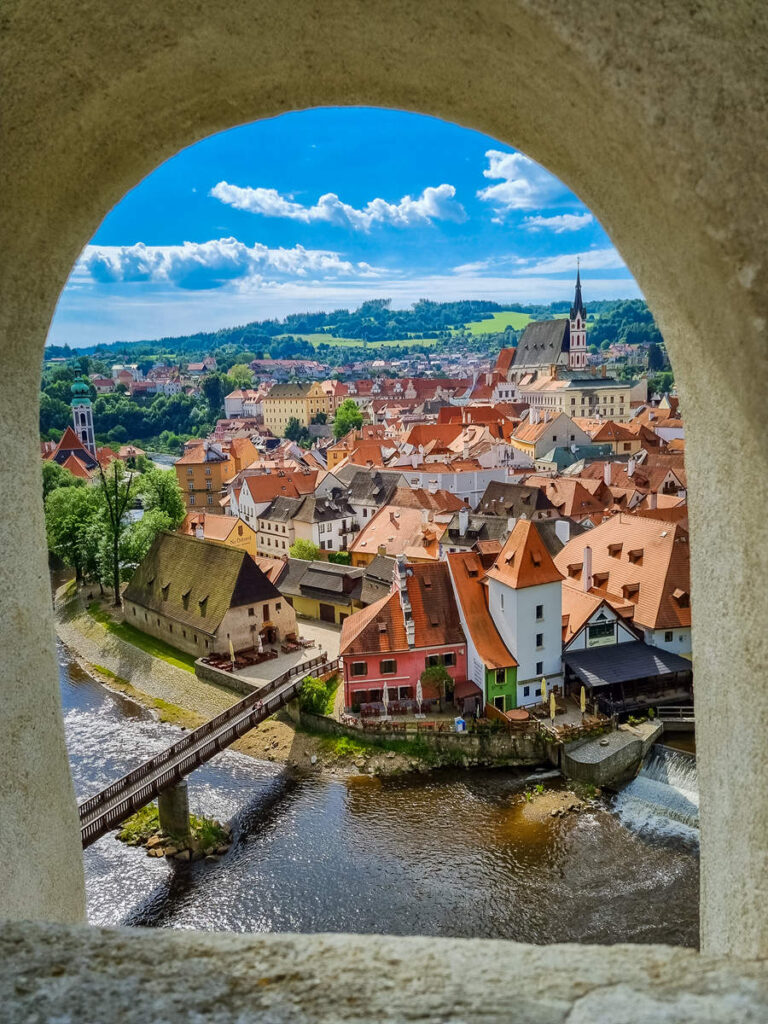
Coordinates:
613 758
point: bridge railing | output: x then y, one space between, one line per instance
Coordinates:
675 712
140 795
191 739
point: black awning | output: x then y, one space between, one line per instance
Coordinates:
622 663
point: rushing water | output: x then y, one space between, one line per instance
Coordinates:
665 794
444 854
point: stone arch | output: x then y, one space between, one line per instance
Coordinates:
622 101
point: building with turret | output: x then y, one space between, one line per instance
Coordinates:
82 415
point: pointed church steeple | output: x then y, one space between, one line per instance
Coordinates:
578 307
577 354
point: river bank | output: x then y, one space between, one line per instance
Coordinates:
180 698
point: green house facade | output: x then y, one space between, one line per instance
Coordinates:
501 687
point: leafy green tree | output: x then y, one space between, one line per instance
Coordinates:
339 557
348 417
69 515
55 476
655 357
241 375
320 417
160 491
304 549
315 695
139 536
213 389
116 492
439 677
295 432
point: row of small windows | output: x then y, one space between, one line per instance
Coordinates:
388 666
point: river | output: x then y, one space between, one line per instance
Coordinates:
443 854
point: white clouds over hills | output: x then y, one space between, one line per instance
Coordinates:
204 265
522 184
434 203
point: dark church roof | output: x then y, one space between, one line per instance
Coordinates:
542 342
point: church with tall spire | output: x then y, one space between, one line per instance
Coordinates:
549 369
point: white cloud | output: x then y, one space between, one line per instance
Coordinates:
593 259
434 203
560 223
203 265
524 185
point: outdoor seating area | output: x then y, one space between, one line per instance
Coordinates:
293 643
243 659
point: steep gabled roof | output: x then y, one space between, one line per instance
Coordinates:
524 560
467 572
197 581
644 561
542 342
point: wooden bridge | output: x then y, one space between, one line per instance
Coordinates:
676 713
101 813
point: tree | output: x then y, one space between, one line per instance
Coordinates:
304 549
241 375
69 514
160 491
655 357
320 417
116 492
139 536
295 432
439 677
55 476
213 389
348 417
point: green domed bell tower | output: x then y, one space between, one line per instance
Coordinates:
82 414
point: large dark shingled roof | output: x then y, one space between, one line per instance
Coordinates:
542 342
204 579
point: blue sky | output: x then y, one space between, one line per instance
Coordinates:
326 208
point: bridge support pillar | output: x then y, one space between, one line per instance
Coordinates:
173 808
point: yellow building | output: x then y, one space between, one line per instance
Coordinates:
578 396
201 472
225 529
294 401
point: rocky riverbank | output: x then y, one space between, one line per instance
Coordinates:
207 839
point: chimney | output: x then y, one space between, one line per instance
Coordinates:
199 531
432 487
652 499
463 520
586 571
631 465
425 515
414 460
563 530
510 523
602 370
607 474
392 518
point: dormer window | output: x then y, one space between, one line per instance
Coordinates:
574 569
185 598
682 597
203 603
165 590
636 556
614 550
599 579
631 590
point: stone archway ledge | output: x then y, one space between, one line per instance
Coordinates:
75 973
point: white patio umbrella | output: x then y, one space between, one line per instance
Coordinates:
385 699
419 698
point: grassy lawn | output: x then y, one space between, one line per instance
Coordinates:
499 322
157 648
317 339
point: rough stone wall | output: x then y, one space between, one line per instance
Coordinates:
137 975
655 114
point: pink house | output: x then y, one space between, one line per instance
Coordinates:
392 641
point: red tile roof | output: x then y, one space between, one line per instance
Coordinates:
380 627
524 560
642 561
467 572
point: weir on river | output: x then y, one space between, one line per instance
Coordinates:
665 791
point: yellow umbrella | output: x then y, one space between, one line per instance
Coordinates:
543 690
583 700
231 652
552 706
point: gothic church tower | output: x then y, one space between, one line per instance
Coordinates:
577 358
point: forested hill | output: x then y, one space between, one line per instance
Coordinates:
374 322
